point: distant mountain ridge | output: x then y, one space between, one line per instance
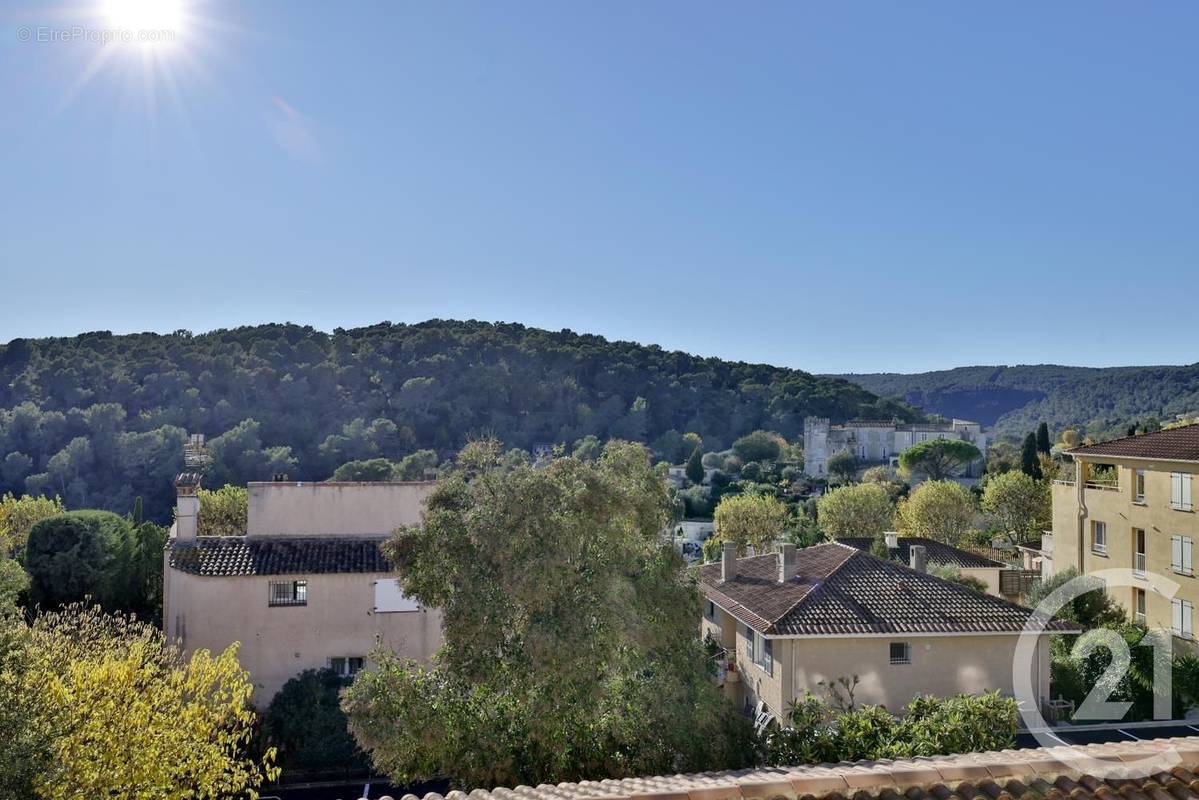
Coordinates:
1013 400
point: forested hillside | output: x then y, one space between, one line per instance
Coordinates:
1098 401
101 419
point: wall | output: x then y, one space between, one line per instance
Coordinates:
941 665
325 509
277 642
988 575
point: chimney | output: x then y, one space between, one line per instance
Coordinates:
919 559
892 539
187 505
728 561
788 562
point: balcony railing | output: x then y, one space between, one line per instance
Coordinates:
1138 563
1104 486
1063 482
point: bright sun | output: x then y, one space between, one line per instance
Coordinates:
148 15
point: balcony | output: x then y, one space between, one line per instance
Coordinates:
1138 564
1103 486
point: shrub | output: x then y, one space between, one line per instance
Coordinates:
79 554
307 726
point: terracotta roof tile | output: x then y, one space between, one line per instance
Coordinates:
1034 774
841 590
1175 444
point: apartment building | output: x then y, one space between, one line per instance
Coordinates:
1130 506
881 441
795 620
307 585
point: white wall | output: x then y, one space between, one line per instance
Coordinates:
330 509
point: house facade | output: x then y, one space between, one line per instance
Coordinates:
1129 506
306 587
798 620
881 441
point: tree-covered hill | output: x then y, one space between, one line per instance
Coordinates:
1097 400
101 419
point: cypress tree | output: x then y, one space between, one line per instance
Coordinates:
695 466
1043 438
1029 463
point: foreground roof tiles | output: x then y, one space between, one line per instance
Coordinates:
840 590
1157 769
1175 444
936 552
276 555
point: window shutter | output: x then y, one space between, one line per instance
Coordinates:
1176 489
1176 607
749 643
769 657
1187 613
1176 552
1186 491
1186 554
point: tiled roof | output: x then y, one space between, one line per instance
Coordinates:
1175 444
1156 769
277 555
841 590
936 552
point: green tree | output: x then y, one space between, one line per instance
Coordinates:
223 511
842 466
18 516
307 727
758 446
695 466
938 459
941 510
415 466
1043 445
864 509
102 706
1030 464
370 470
750 520
80 554
1017 503
522 692
588 448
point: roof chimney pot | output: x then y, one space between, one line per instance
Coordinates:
919 559
788 562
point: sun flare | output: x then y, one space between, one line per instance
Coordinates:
144 15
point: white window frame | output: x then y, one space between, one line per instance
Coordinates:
1138 486
760 650
1183 618
345 666
1180 491
904 658
1181 554
1098 537
1139 605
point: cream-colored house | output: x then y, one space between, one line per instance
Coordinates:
794 620
306 587
1130 506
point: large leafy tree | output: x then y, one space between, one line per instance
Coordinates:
94 705
571 647
864 509
758 446
1030 462
939 459
750 520
1017 503
941 510
18 516
306 725
223 511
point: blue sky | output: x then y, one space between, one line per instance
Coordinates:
829 186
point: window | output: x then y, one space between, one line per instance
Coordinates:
1181 548
288 593
760 650
1180 491
346 667
711 610
1099 537
1140 486
1138 551
1184 625
901 652
1139 596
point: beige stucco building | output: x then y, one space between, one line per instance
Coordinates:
881 441
1129 506
307 586
795 621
